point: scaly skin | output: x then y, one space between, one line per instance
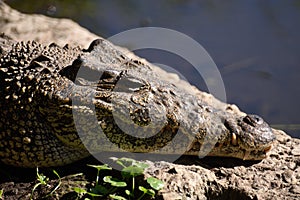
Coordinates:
58 105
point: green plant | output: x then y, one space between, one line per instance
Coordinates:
1 193
98 190
116 188
132 169
43 180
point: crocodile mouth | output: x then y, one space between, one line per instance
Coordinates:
256 154
240 153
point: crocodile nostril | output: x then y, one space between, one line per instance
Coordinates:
247 120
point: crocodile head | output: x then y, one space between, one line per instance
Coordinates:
127 92
249 138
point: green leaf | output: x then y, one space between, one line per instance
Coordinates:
132 171
125 162
117 197
143 189
99 189
83 191
147 191
142 165
128 160
155 183
94 195
101 167
129 193
80 190
57 186
41 177
114 181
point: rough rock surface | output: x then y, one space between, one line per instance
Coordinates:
276 177
42 29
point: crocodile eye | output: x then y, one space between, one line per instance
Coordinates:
129 84
258 119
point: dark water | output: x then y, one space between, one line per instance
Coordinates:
255 44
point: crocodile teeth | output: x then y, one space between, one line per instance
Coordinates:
246 155
233 139
268 149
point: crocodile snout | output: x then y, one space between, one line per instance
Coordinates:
256 132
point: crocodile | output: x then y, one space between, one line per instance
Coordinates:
61 104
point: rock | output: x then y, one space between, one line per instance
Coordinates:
42 29
276 177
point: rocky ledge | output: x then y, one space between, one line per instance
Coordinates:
276 177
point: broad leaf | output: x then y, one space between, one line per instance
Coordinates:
155 183
114 181
101 167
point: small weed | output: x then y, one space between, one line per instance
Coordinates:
43 180
58 184
1 193
116 188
